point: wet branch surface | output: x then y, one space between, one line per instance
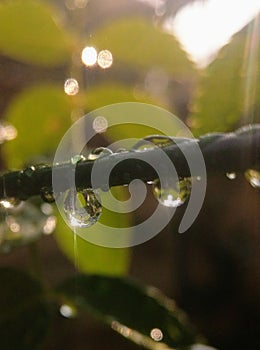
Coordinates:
222 152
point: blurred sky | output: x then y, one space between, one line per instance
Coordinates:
204 27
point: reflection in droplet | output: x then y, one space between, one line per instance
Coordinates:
82 208
156 334
253 177
231 176
71 87
89 56
173 195
105 59
68 311
100 124
99 152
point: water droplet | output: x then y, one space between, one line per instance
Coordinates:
89 56
7 132
8 203
71 87
82 208
47 195
156 334
77 158
253 177
100 124
153 141
29 171
68 311
21 224
105 59
231 176
99 152
173 195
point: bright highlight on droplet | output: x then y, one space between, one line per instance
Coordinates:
100 124
71 87
156 334
89 56
105 59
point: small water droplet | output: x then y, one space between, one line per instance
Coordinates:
156 334
99 152
47 195
46 209
8 203
105 59
89 56
231 176
77 158
68 311
253 177
29 171
153 141
174 195
82 208
71 87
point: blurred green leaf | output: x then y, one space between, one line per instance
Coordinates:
30 33
92 258
24 315
111 92
124 302
230 86
41 116
137 42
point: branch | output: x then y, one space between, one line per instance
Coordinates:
222 152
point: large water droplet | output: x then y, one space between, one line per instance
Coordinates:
99 152
156 334
82 208
172 195
231 176
253 177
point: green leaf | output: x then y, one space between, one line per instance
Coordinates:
41 116
137 42
230 86
30 33
92 258
119 301
111 92
24 315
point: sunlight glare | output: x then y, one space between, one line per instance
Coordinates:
204 27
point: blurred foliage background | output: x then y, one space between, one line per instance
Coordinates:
212 271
